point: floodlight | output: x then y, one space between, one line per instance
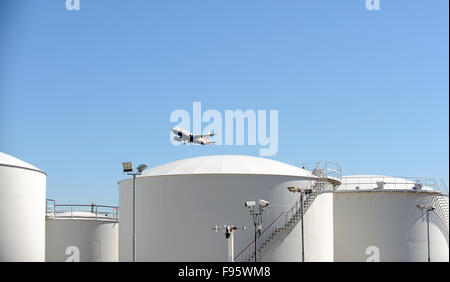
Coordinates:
127 167
141 167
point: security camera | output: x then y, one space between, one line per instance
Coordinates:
263 204
250 204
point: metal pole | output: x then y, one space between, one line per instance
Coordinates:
428 234
303 242
134 217
230 247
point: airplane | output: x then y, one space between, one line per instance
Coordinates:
185 136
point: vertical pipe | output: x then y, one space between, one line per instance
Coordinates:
230 247
134 217
254 222
428 234
303 242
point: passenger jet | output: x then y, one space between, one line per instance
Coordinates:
185 136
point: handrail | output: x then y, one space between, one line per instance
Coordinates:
293 208
329 170
80 205
96 211
395 181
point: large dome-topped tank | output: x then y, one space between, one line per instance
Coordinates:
179 202
22 210
377 218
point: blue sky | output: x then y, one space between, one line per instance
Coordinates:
82 91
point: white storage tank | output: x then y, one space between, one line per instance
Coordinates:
81 233
22 210
178 204
376 218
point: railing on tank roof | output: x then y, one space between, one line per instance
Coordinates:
395 182
93 211
328 169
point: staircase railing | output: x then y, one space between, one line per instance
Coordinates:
441 205
247 253
440 202
287 220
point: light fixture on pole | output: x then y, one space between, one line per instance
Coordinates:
427 210
257 216
228 230
128 169
302 191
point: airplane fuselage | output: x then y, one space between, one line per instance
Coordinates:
185 136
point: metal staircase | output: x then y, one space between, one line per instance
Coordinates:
440 202
283 225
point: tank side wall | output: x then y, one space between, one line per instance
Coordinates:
81 240
175 214
22 215
318 235
319 229
385 226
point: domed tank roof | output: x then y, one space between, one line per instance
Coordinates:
7 160
382 182
227 164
